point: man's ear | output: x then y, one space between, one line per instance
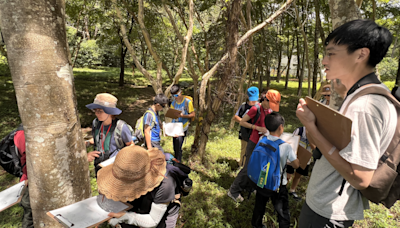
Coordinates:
364 54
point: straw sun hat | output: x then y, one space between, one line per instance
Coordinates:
135 172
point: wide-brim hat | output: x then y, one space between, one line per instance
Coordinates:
135 172
107 102
326 90
274 98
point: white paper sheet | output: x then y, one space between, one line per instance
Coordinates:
85 213
11 195
107 162
173 129
292 140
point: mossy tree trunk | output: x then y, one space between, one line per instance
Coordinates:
38 54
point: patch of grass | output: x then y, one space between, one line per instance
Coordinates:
208 204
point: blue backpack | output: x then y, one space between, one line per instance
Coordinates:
264 165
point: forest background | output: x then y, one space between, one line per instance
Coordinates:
135 49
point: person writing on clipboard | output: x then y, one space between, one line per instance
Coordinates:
139 177
185 105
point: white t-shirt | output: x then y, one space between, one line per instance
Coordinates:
286 153
374 121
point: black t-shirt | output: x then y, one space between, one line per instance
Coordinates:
244 133
164 193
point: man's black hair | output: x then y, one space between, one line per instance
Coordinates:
175 88
363 34
161 99
273 121
263 96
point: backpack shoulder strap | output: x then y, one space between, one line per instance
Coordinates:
279 141
257 114
373 90
118 132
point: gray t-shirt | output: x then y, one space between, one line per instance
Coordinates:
374 120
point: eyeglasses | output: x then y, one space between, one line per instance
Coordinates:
177 94
327 95
99 111
162 105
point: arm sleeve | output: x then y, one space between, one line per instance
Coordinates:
291 155
148 119
366 136
152 219
190 106
237 112
252 112
126 134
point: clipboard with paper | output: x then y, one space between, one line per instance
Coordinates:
12 195
86 213
294 141
173 129
334 126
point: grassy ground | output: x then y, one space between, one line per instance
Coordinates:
207 205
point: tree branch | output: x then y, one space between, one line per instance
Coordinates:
242 40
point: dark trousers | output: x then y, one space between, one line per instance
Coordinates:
280 201
178 142
27 219
242 180
310 219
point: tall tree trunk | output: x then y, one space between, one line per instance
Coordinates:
398 75
342 11
289 61
305 53
122 65
87 27
230 71
316 51
78 47
249 64
38 54
268 71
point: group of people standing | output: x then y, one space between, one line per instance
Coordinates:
140 176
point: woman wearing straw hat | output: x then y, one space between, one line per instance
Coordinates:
139 177
104 128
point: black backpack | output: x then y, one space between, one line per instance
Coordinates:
9 155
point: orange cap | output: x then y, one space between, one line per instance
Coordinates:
274 98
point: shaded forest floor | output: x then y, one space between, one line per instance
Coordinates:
207 205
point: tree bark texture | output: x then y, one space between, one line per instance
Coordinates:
35 35
398 75
342 11
316 51
229 72
301 27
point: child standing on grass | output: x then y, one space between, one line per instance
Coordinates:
274 123
244 133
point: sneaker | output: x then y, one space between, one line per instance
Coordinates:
238 199
295 196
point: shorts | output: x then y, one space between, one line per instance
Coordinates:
303 172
